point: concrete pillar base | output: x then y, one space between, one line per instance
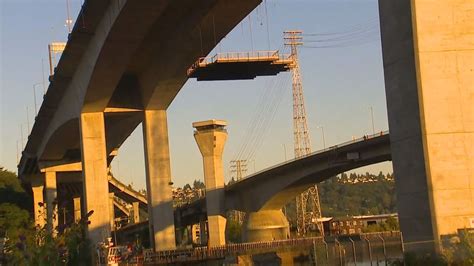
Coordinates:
136 212
216 225
94 171
158 176
265 226
111 212
38 202
77 209
203 233
51 202
244 260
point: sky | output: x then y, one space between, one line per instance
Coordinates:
341 86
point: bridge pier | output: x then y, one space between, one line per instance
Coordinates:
158 180
111 211
51 201
265 225
428 59
94 171
203 232
77 208
211 136
136 212
37 186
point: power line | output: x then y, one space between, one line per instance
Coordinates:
352 36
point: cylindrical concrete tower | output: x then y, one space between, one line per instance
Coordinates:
210 136
265 225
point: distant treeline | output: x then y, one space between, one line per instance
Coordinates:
358 194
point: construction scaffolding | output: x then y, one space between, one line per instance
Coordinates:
240 65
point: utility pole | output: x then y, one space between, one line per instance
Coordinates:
27 121
42 75
21 136
34 97
308 209
239 168
372 119
68 19
324 140
17 153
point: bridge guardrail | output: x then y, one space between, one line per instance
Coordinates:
381 246
253 56
366 137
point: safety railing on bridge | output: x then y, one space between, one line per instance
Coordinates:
238 57
338 250
363 138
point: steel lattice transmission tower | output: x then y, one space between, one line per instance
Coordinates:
239 169
308 208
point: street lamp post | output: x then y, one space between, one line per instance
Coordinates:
34 96
372 118
324 139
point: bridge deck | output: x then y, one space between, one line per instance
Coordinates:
240 65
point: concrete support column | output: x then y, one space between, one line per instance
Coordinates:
266 225
77 208
37 186
136 212
203 232
51 201
210 137
94 171
111 211
158 179
428 56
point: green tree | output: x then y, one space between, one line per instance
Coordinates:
11 190
356 194
233 231
461 250
198 184
12 219
15 205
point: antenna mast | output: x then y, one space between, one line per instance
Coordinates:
308 209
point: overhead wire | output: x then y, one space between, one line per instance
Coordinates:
267 24
272 114
354 35
262 116
347 30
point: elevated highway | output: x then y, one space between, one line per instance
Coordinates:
266 192
272 188
124 63
126 60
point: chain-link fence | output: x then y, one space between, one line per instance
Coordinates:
363 249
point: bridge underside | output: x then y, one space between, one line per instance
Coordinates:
275 187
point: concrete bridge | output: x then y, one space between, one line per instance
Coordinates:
125 61
263 194
123 64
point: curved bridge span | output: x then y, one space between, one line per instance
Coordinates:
272 188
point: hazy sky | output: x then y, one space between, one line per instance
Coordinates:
340 85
